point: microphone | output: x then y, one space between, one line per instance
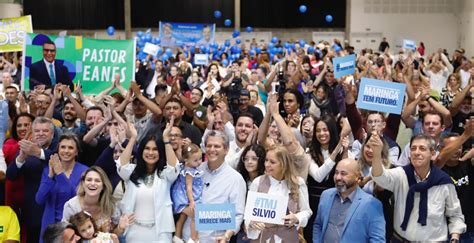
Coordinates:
207 184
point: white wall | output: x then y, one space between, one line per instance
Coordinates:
466 23
432 21
10 10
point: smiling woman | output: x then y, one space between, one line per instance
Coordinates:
59 180
94 195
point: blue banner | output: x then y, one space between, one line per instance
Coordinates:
344 65
381 95
179 34
209 217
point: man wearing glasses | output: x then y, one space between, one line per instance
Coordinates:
49 71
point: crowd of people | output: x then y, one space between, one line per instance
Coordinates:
130 165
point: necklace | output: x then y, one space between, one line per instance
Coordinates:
149 180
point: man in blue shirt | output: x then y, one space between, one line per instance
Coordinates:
347 213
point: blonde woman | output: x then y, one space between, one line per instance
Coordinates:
280 179
94 195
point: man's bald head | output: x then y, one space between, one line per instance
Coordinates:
349 165
346 176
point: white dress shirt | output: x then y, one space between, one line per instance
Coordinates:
443 204
222 185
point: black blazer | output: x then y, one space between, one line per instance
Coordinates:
39 75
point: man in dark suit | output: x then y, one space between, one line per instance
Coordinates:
48 71
346 213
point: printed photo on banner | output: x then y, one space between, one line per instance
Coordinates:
344 65
50 60
381 95
189 34
409 44
265 208
12 33
210 217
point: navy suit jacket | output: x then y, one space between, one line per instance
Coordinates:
32 171
364 220
39 75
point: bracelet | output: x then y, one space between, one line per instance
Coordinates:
167 142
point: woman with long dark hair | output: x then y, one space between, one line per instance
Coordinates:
149 181
326 149
15 189
251 165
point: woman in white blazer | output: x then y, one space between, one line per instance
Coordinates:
148 182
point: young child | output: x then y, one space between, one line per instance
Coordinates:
86 228
187 190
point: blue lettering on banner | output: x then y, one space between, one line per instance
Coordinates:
266 213
265 203
380 95
215 217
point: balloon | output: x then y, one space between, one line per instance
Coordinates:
235 33
270 45
217 14
139 33
310 50
286 45
249 29
274 39
303 9
302 43
329 18
156 40
253 52
225 62
227 22
169 52
227 43
258 50
237 41
280 50
254 66
337 48
110 30
164 57
148 37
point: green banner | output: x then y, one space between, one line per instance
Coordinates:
93 62
12 33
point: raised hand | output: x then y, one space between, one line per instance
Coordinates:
376 144
167 131
131 131
135 88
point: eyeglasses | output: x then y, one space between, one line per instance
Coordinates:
42 102
174 135
49 50
374 122
246 159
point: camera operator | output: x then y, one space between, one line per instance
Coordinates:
235 72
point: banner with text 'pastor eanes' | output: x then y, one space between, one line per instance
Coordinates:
93 62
